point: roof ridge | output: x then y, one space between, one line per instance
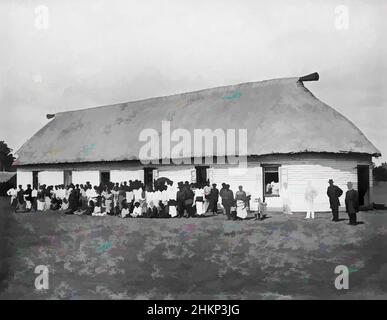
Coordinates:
183 93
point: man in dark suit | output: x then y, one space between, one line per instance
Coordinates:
334 193
351 203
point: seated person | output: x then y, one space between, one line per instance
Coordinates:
65 204
98 209
125 209
136 210
55 204
21 206
90 208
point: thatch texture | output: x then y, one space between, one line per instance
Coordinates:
281 116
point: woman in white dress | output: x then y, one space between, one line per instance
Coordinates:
241 198
199 201
285 196
310 195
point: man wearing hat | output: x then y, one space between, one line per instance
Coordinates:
334 193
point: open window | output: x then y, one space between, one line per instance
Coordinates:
271 184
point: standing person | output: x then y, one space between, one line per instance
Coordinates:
13 194
262 209
213 199
241 198
189 201
207 192
351 203
310 195
221 192
285 196
334 193
108 196
28 197
180 198
199 201
171 195
228 201
115 192
34 197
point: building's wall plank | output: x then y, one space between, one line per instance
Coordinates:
81 177
23 177
126 175
50 178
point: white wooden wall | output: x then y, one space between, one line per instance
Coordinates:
250 178
126 175
50 178
176 174
23 178
81 177
318 171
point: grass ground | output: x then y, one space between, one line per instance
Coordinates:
198 258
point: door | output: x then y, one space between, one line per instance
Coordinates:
35 179
201 176
363 184
105 177
148 176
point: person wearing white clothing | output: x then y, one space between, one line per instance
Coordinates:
310 196
137 211
12 193
199 201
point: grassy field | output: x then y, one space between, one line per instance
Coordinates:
197 258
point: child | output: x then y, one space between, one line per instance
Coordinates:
261 210
125 209
136 210
98 209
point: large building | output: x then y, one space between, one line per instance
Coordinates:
292 138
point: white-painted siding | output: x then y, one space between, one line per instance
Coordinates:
318 171
176 174
81 177
23 178
250 178
126 175
50 178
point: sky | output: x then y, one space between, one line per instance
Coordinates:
65 55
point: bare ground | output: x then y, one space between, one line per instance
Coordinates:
197 258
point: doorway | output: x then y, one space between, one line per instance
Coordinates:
363 184
35 180
148 176
105 177
201 176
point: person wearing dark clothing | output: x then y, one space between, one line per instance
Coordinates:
188 203
334 193
351 203
213 198
180 198
28 197
228 201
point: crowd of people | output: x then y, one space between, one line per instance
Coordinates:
134 199
165 200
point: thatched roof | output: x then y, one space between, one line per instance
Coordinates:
280 115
